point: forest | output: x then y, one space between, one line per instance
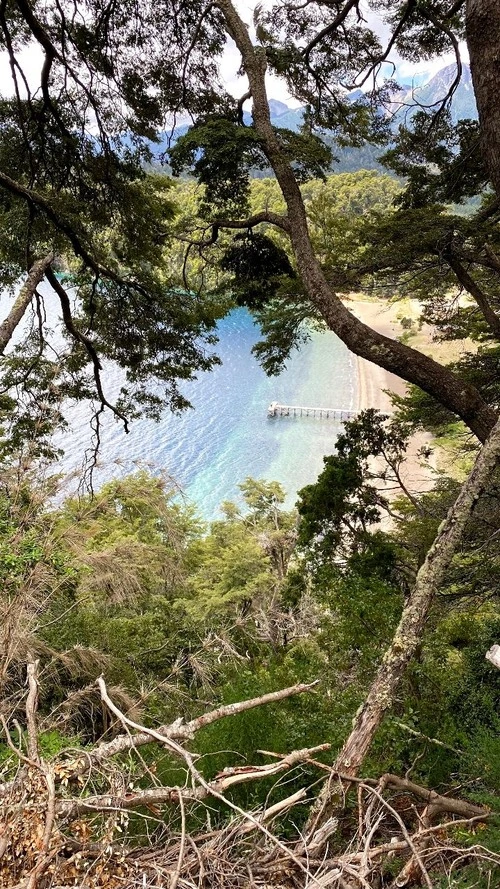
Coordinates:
280 698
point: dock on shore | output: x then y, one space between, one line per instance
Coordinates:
322 413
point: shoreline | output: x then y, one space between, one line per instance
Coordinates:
372 380
374 383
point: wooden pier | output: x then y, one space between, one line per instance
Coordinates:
322 413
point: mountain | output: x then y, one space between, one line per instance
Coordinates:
277 108
405 103
430 94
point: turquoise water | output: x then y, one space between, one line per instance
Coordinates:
228 435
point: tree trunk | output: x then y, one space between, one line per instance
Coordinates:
22 301
408 634
483 40
409 364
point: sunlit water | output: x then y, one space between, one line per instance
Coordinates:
228 436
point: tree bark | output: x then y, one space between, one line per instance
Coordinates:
493 655
409 631
409 364
483 40
23 299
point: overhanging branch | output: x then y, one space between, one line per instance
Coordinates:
411 365
85 342
38 202
266 216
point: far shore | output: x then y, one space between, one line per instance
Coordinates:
374 385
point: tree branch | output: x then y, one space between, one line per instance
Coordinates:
179 731
330 28
86 343
230 777
471 286
266 216
37 201
23 300
31 708
409 364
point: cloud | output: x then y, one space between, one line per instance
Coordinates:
427 68
31 61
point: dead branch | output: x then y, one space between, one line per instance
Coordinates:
6 788
211 789
162 795
31 708
436 803
180 731
53 837
409 840
175 876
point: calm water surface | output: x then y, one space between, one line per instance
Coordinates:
228 435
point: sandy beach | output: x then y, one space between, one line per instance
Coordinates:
372 379
375 384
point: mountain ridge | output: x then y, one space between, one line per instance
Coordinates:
406 102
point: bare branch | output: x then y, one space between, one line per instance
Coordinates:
86 343
31 708
406 835
179 731
230 777
175 876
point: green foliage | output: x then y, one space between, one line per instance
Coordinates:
437 157
341 503
340 209
233 570
309 155
128 581
259 267
221 154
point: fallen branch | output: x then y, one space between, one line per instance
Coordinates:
171 795
47 837
180 731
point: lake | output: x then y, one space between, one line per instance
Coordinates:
228 436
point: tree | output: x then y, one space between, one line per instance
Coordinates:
316 59
76 199
51 161
276 147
